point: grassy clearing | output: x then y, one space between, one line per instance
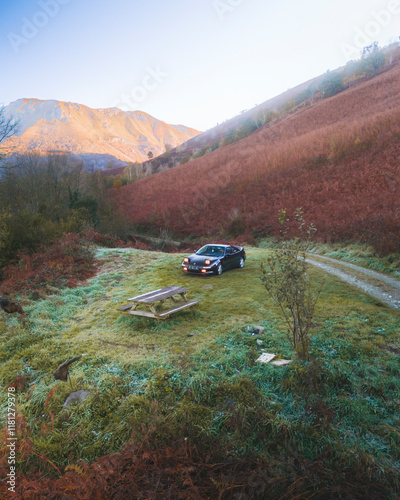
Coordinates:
195 376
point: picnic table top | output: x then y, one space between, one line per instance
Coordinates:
157 295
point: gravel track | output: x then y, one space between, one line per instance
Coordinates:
378 285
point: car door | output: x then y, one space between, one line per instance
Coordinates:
236 256
229 260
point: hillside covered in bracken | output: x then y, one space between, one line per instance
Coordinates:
338 158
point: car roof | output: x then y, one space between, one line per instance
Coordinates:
216 245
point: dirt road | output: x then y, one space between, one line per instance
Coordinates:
378 285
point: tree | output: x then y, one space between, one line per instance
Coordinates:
264 116
332 84
372 60
4 236
168 147
150 155
133 172
8 126
44 196
288 284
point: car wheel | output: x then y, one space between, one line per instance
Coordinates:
219 269
241 262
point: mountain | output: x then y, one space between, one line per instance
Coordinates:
336 157
108 134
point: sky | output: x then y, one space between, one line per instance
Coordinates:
191 62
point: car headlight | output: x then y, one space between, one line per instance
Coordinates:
208 262
186 260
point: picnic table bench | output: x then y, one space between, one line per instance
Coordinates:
155 299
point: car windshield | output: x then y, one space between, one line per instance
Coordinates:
211 250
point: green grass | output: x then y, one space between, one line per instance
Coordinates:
195 374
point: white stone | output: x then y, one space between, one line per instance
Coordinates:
281 362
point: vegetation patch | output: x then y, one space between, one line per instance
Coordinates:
65 262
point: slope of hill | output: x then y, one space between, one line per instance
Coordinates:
338 158
211 139
80 130
271 110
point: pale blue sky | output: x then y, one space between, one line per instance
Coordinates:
195 62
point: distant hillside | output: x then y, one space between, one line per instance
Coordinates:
211 139
338 158
107 133
269 111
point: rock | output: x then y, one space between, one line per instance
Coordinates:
259 330
10 307
76 397
259 342
208 287
281 362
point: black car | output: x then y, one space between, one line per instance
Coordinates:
213 259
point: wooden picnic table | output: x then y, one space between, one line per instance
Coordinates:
155 299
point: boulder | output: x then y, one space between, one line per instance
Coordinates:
76 397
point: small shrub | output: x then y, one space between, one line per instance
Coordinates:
287 283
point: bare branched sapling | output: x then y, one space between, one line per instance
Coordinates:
287 282
8 127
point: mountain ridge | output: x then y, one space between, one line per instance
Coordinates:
78 129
